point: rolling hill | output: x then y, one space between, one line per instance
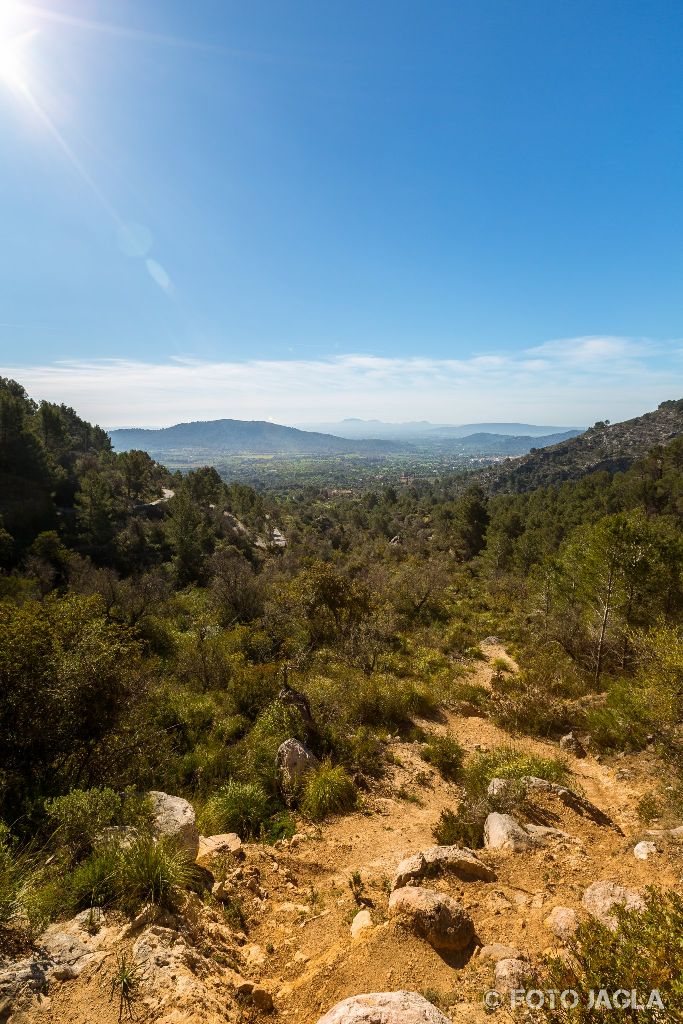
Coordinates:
244 437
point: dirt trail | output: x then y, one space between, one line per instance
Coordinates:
313 961
299 906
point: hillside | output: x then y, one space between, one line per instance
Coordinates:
483 443
234 724
243 437
306 939
605 446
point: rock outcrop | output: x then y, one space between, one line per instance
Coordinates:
437 859
438 918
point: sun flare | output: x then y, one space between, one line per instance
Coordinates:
15 38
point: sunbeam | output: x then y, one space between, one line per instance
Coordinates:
108 28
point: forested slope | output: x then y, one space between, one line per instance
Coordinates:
608 446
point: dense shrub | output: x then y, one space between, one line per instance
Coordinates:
509 763
446 754
329 790
241 807
81 814
644 953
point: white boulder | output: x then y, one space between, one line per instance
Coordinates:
174 819
384 1008
562 922
502 832
601 898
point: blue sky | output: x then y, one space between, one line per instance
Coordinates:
466 210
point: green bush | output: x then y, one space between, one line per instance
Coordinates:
361 752
465 826
128 877
446 754
329 790
94 882
152 872
644 953
463 692
81 814
241 807
625 720
510 763
540 699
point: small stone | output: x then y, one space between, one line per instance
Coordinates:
384 1008
644 850
562 922
217 846
502 832
511 974
572 745
361 923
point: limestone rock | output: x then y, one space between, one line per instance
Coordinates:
562 922
601 898
497 951
361 923
443 922
174 819
512 974
544 832
572 745
293 762
384 1008
217 846
435 859
666 833
501 832
500 787
642 851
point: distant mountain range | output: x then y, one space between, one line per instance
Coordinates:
422 429
606 446
212 438
243 437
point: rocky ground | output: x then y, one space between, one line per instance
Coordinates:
319 926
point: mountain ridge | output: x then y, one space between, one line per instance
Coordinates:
232 436
604 446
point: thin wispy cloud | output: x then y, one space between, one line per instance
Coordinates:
571 381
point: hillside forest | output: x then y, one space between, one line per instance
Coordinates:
167 632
